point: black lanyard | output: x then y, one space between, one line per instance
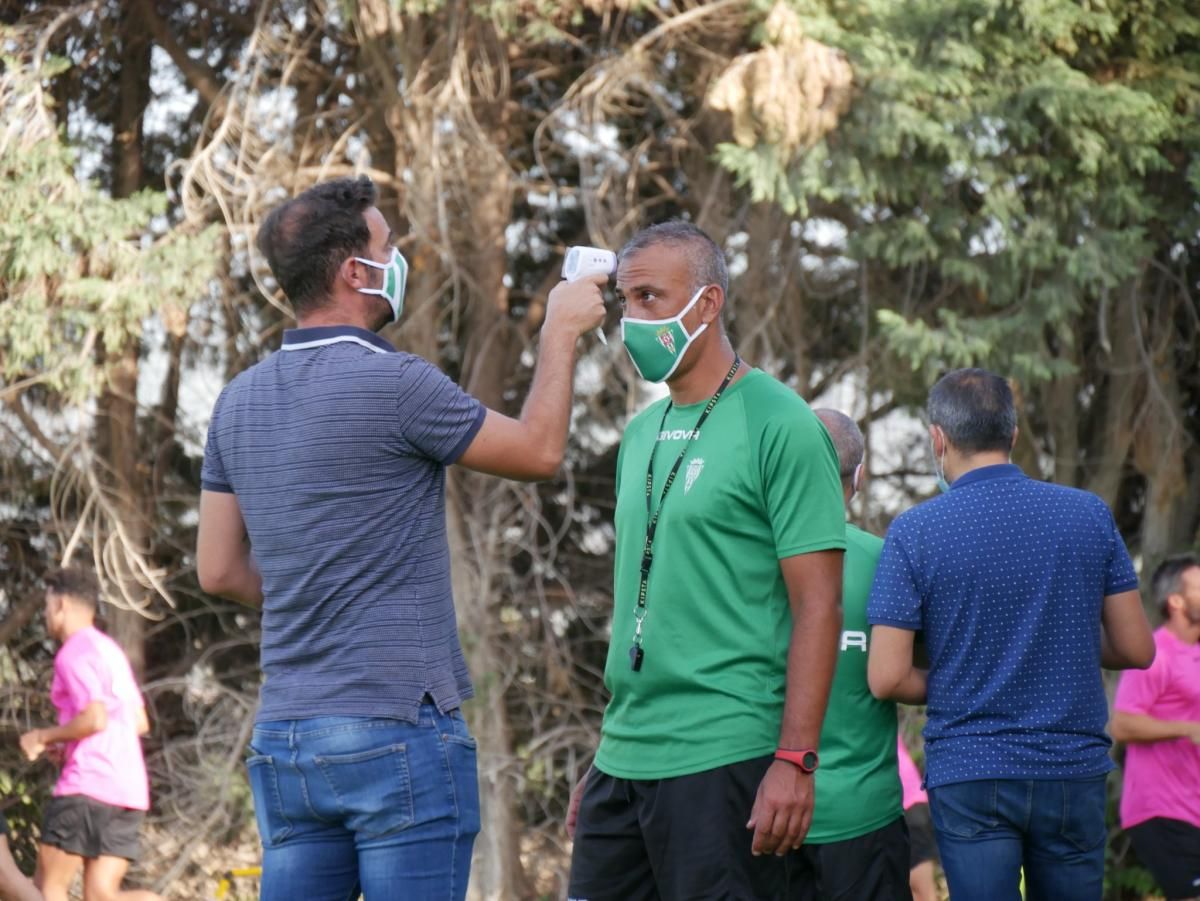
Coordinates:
636 654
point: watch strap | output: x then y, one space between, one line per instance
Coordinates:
804 758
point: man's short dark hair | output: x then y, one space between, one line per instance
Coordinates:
75 582
705 259
1168 578
307 238
847 440
975 409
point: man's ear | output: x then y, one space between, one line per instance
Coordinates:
712 301
354 273
936 435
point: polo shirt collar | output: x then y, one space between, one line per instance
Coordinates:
987 473
320 336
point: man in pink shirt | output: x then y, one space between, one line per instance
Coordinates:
102 792
1157 713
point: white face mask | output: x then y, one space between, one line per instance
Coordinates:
395 279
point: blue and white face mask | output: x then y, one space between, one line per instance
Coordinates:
939 466
395 279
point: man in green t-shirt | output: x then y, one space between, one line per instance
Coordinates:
730 532
857 846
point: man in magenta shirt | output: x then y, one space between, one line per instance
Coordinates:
1157 713
102 792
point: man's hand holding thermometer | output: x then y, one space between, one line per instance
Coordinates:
588 264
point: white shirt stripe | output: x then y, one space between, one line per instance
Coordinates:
305 345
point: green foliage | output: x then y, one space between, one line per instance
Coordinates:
80 270
1023 158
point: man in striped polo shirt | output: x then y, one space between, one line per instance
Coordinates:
323 501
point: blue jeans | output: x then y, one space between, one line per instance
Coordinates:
350 804
988 830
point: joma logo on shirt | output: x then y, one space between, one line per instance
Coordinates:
854 640
679 435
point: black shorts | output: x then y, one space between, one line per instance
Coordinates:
1170 850
686 837
921 840
871 867
81 825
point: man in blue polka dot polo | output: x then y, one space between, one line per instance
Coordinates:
1023 591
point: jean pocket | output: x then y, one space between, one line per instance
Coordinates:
462 763
373 789
1084 804
273 824
456 730
964 809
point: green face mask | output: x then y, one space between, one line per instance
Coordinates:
657 346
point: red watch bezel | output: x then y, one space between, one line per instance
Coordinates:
797 758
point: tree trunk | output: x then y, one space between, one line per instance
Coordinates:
1113 413
493 352
1161 445
117 440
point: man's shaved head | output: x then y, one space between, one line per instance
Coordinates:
847 440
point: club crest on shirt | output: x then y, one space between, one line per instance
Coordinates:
666 338
694 468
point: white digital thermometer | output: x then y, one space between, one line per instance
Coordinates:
580 262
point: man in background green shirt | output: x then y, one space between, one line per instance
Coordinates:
726 591
857 846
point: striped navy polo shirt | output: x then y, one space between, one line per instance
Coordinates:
336 448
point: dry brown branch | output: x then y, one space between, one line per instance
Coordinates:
790 93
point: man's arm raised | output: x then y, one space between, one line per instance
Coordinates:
532 447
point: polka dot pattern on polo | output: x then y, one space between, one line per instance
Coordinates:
1006 576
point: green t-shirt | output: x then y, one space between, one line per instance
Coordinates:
759 483
858 782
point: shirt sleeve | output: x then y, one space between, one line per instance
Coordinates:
83 680
895 595
435 416
1139 690
1121 575
212 473
801 485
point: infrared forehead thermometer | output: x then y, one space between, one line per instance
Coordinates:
580 262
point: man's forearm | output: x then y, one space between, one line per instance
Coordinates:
547 410
812 656
1135 728
87 722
